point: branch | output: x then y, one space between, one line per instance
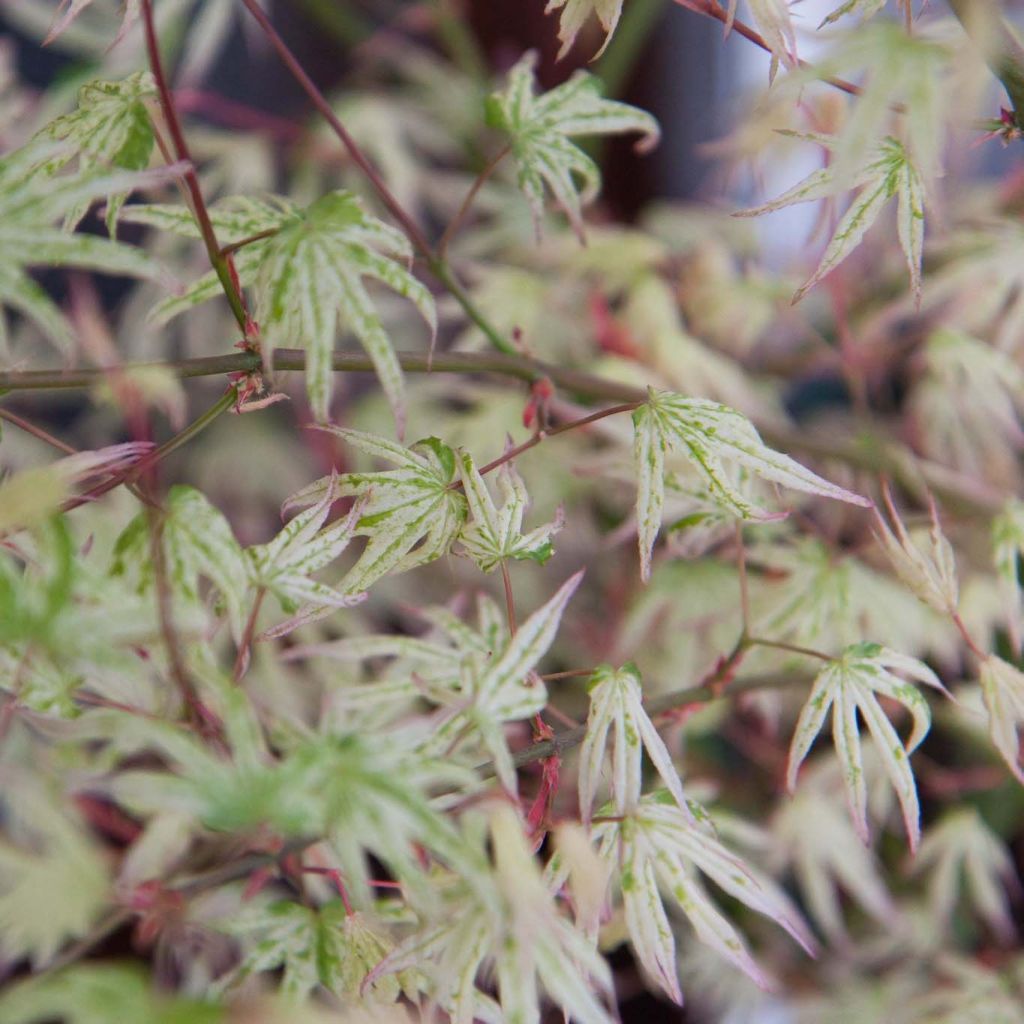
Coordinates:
218 260
435 261
1003 52
871 453
715 10
571 738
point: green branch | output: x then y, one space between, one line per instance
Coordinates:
871 453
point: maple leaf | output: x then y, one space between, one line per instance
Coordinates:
1002 689
479 681
198 542
816 840
888 173
658 848
110 128
325 945
514 929
53 878
308 266
411 514
540 129
494 534
1007 548
616 703
32 198
708 433
847 686
64 625
285 565
576 13
68 10
928 567
961 851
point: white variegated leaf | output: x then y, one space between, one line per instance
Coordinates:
711 436
1002 688
540 129
658 849
616 703
411 514
33 197
888 172
848 686
576 13
284 566
110 128
494 534
308 267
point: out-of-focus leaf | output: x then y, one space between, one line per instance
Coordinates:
540 129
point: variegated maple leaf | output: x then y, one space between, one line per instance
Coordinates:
32 199
658 848
616 705
962 852
1002 689
198 542
412 513
511 929
710 435
540 129
478 682
284 567
852 684
308 265
494 534
110 128
889 172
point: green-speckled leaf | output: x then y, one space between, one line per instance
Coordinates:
540 129
850 685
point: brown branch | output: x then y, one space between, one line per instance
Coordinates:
202 215
357 156
669 702
715 10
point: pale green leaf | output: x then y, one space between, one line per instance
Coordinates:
494 534
53 878
540 129
616 705
411 514
848 686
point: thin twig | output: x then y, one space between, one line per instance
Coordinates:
319 101
199 209
571 738
715 10
543 435
481 179
37 432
